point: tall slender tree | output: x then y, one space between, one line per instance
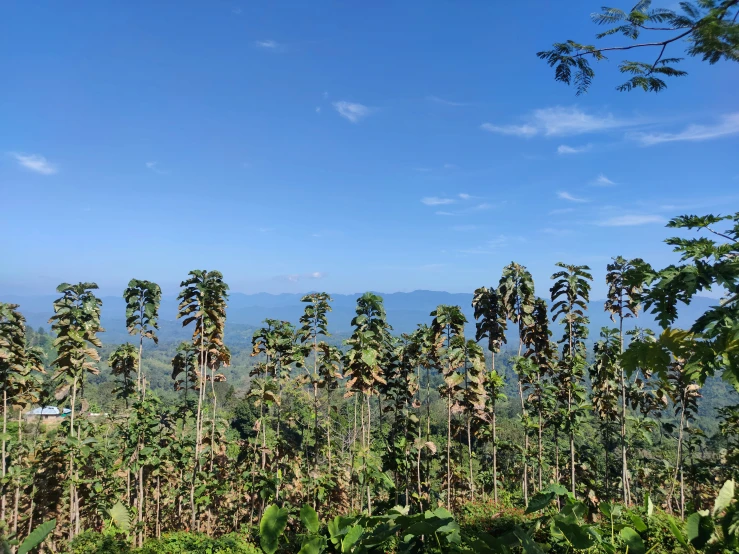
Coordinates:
124 364
516 292
490 316
142 314
203 302
314 325
185 369
604 391
12 360
625 284
570 297
449 351
76 322
364 364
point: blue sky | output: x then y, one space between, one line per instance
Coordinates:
348 146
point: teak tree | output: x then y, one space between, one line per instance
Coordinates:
142 313
76 322
124 364
570 297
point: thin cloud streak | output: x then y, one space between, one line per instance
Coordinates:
561 121
602 181
34 162
564 195
436 201
563 149
727 126
352 111
631 220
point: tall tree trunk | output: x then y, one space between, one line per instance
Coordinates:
369 446
71 464
5 430
678 465
449 453
495 459
624 463
469 457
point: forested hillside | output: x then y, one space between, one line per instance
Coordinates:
238 425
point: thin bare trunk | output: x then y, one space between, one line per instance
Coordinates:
495 460
71 464
5 430
367 452
469 457
449 453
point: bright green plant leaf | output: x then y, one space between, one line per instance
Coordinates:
271 528
540 501
638 522
699 527
314 545
37 536
352 536
725 495
309 517
633 541
120 517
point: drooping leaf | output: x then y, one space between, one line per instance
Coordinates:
271 528
309 517
37 536
633 541
120 517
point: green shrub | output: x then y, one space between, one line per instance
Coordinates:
93 542
196 543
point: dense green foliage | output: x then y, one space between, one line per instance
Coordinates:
383 436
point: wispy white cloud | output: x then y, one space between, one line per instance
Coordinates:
631 220
491 246
463 228
564 195
464 196
438 100
352 111
561 121
445 213
483 206
436 201
450 166
602 181
727 125
34 162
560 211
154 166
564 149
517 130
267 44
296 277
556 232
237 11
318 109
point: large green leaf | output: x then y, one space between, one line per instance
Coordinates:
120 517
314 545
577 535
352 536
37 536
271 528
699 527
676 532
309 517
633 541
725 495
540 501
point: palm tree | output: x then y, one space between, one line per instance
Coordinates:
124 364
447 328
203 302
516 292
570 297
142 311
364 364
625 286
76 322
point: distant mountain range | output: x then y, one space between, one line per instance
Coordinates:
247 311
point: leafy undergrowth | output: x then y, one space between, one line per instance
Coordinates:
91 542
